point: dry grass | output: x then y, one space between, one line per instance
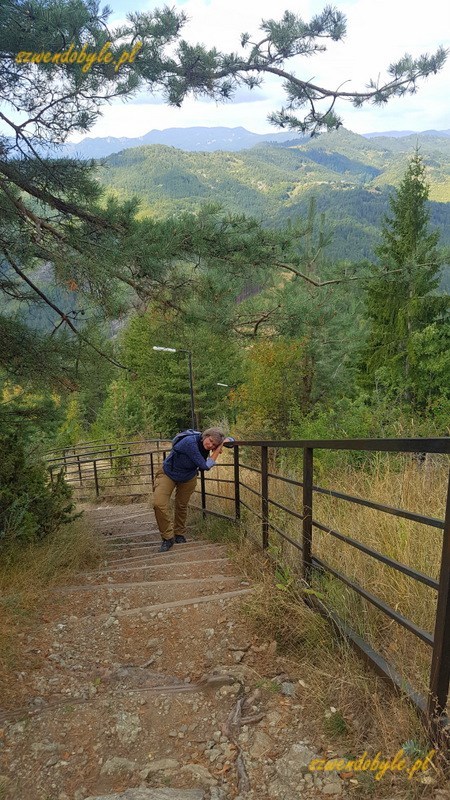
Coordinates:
346 709
26 574
415 488
369 714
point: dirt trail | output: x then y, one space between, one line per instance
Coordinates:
145 682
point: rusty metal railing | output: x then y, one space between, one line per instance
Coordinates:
86 469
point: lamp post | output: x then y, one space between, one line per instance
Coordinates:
191 378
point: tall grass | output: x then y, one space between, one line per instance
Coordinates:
345 707
400 482
26 573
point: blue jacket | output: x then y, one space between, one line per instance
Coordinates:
186 458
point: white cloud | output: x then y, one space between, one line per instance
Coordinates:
378 33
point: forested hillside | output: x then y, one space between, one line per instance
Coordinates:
322 324
349 177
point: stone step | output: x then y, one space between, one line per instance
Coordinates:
133 548
108 519
219 597
155 794
96 603
136 544
218 578
193 565
124 537
178 553
107 742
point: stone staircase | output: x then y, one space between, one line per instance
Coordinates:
144 682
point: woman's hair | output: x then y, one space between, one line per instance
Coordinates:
216 434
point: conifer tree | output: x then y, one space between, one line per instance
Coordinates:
407 315
51 209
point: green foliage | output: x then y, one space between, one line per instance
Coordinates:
349 177
334 723
155 398
71 430
276 381
406 354
70 255
31 507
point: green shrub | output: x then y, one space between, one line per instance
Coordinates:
31 506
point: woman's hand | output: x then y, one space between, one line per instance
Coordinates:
216 452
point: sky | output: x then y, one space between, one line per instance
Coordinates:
379 32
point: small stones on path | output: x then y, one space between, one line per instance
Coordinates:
178 693
154 794
118 766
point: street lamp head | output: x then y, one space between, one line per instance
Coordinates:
165 349
223 384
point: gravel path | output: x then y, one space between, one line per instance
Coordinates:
145 682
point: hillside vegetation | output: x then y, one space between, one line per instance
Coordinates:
350 178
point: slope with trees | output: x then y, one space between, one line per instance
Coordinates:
407 354
52 210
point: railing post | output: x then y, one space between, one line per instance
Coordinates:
51 475
440 663
152 470
237 488
110 455
265 497
307 511
203 493
79 470
97 490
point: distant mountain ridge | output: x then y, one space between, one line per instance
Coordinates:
399 134
348 176
189 139
203 139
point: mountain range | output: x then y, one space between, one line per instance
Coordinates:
190 139
200 139
349 177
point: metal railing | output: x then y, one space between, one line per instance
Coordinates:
86 469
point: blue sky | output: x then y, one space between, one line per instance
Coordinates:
378 33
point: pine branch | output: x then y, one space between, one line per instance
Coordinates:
311 280
13 175
64 317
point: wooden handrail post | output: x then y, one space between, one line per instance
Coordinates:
265 496
307 511
237 488
440 663
79 470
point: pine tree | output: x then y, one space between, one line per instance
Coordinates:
406 313
51 209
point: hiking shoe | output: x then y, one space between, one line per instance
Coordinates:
180 539
166 545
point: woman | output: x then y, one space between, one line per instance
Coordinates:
191 451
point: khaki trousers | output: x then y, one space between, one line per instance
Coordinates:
162 492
